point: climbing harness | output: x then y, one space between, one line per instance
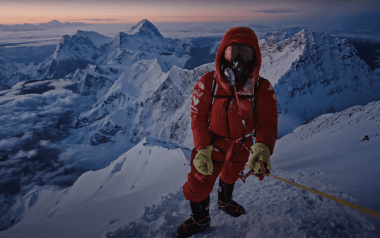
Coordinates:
242 139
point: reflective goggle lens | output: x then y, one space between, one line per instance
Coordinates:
233 50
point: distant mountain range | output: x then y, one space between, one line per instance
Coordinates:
75 52
42 26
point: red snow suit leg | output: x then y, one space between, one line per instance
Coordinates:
231 168
198 186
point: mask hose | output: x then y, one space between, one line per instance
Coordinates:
230 76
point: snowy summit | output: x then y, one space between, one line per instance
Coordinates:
145 28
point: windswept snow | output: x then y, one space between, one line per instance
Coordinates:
97 39
343 148
145 28
314 73
277 58
105 198
115 202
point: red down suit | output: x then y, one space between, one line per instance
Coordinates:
217 120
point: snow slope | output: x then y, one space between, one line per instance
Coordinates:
343 148
135 180
54 130
142 101
314 73
113 202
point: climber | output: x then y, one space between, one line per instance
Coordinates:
230 106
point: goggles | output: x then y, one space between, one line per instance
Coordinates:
233 50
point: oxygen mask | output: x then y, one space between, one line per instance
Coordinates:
238 63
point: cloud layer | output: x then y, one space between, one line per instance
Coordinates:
29 122
277 10
33 126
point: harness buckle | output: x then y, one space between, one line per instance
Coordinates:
242 140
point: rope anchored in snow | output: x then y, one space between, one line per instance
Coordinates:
341 201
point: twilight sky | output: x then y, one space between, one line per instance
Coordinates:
124 11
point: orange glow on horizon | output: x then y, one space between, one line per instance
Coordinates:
126 20
132 11
125 13
121 20
129 18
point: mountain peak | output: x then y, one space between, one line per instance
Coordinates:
146 28
87 33
53 23
277 36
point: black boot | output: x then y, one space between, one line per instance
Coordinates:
225 202
198 221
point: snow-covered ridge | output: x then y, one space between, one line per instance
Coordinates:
87 120
77 51
343 146
97 39
323 154
145 28
143 101
314 73
145 42
140 171
9 74
276 36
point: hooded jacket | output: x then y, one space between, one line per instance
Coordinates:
221 115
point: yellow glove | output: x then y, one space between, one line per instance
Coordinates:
203 162
260 152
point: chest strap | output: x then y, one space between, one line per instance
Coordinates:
242 139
